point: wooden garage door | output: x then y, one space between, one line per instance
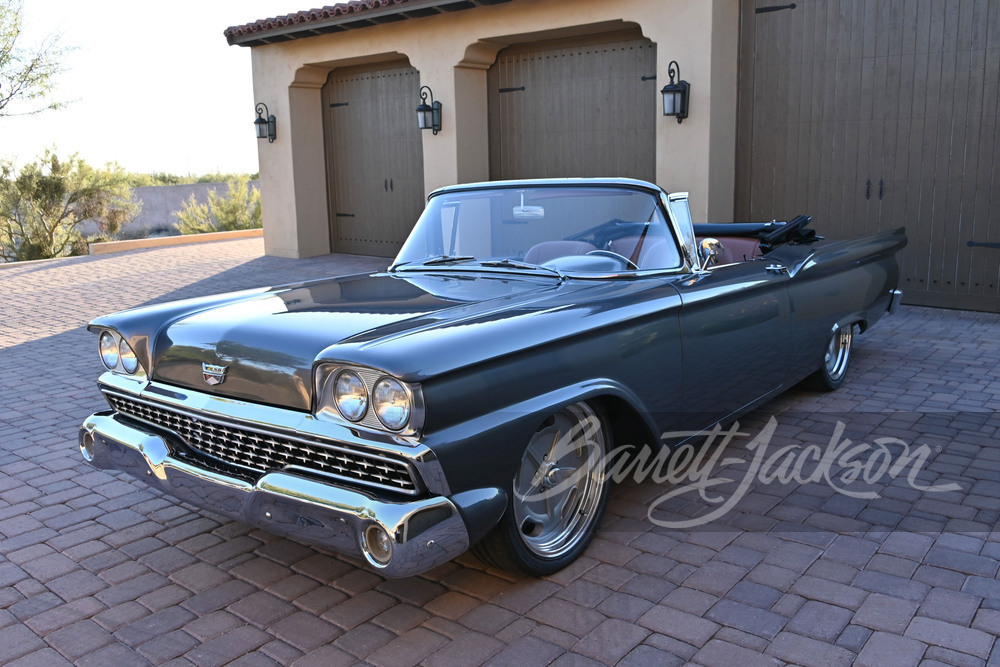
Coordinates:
874 115
375 163
574 109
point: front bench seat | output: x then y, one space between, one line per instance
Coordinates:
548 250
655 253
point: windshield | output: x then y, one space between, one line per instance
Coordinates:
566 229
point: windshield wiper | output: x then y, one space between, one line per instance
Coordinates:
440 259
514 264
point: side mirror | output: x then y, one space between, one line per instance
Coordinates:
709 252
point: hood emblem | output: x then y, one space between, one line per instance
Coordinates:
213 374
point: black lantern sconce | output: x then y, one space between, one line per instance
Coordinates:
265 126
675 95
428 115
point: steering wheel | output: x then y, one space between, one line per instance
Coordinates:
629 264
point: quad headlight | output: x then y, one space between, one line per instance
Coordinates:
392 403
117 355
130 362
351 396
109 350
369 398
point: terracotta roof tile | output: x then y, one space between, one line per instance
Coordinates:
334 18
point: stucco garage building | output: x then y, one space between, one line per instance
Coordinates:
866 115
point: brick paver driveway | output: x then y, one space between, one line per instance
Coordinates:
97 569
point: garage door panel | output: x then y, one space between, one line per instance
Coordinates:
896 127
374 158
576 110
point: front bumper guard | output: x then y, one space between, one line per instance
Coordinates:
423 533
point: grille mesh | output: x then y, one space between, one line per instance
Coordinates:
258 452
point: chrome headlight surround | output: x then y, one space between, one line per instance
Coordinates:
118 356
327 380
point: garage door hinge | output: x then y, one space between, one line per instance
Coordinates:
338 104
345 215
649 78
511 90
773 8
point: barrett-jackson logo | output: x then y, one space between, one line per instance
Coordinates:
213 374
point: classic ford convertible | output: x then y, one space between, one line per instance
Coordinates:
468 395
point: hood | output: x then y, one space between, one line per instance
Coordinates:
269 342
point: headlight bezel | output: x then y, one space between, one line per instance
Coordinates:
326 406
126 360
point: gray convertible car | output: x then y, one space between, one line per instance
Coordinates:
468 396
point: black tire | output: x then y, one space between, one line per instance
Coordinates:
558 496
836 361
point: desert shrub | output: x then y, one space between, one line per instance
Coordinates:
239 209
42 204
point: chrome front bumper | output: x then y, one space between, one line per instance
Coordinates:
423 533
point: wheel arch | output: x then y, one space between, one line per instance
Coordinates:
627 425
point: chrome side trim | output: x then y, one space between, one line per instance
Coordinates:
425 533
895 298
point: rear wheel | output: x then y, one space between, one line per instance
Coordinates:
558 496
836 360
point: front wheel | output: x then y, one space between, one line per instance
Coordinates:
558 496
836 360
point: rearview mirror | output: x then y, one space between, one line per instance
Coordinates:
529 212
523 212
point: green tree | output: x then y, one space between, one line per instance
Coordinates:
42 205
26 73
239 209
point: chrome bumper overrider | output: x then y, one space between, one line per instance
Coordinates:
424 533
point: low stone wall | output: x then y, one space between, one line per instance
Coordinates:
183 239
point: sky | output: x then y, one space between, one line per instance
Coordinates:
153 86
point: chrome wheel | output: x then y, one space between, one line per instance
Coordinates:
559 488
838 353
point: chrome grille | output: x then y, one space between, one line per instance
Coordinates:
258 452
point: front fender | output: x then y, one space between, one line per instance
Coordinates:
485 449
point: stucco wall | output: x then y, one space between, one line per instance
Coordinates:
453 53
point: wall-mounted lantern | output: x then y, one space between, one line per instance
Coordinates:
675 95
428 115
265 124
